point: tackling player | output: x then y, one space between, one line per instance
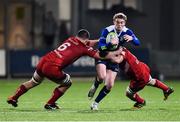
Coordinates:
106 70
139 73
52 64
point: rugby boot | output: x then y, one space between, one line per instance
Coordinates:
91 92
139 105
94 106
12 101
167 93
51 106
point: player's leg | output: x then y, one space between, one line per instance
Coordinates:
24 87
109 83
131 93
101 74
65 82
159 84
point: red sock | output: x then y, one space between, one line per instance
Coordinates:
161 85
56 95
138 98
20 91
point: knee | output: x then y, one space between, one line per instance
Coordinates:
109 85
129 93
151 82
30 84
36 79
98 80
101 77
67 82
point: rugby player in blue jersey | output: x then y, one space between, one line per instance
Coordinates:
106 70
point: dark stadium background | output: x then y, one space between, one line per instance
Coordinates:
22 43
156 23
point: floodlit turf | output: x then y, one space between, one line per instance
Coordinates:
75 105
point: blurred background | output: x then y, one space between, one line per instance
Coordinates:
30 28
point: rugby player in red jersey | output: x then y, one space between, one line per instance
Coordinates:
139 73
52 64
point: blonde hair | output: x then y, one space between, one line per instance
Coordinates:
120 15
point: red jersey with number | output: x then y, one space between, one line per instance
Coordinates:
70 51
51 64
135 69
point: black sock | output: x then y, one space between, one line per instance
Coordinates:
102 94
97 82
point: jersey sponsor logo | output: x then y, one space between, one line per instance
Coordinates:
121 39
103 47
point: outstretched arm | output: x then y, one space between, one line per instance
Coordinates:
111 55
118 56
93 42
131 37
117 59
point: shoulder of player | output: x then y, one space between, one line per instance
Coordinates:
106 31
110 28
127 30
73 40
89 49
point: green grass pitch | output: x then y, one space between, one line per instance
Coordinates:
75 105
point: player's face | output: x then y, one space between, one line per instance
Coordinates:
119 24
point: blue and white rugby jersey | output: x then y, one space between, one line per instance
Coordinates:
102 45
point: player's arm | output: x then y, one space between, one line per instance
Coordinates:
111 55
103 52
93 42
130 37
117 56
120 57
117 59
102 45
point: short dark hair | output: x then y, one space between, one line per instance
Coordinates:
83 33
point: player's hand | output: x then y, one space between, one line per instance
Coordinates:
117 52
127 38
117 59
120 49
114 41
93 42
